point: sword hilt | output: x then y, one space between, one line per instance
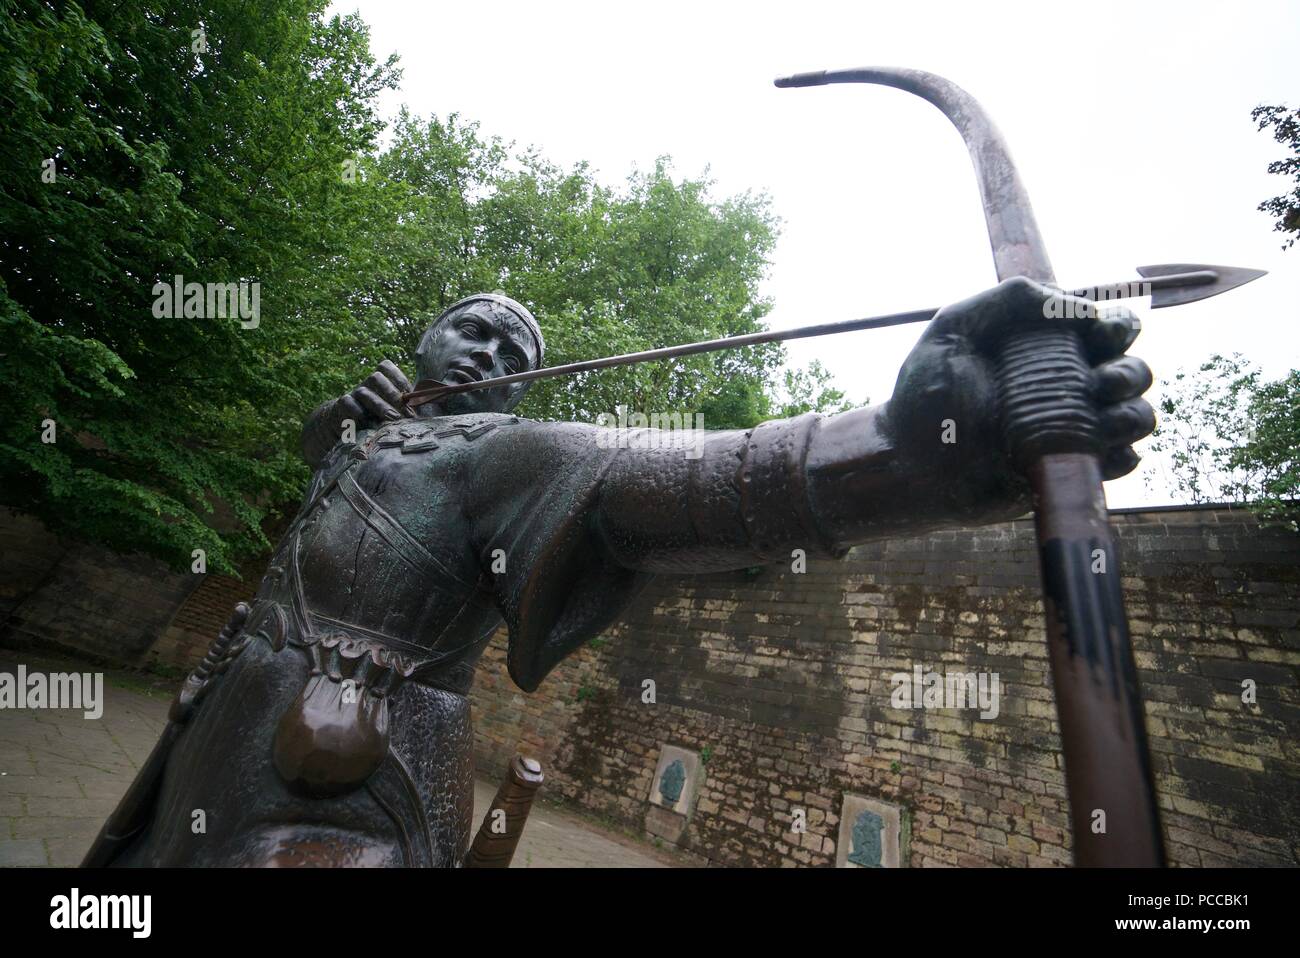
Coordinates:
494 845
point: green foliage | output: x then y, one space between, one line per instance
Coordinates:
219 141
1286 130
1271 455
1232 437
810 390
655 263
221 165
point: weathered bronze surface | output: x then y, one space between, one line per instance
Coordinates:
329 724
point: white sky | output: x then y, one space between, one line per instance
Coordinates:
1129 122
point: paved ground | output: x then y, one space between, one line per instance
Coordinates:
62 774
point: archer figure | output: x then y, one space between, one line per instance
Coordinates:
330 724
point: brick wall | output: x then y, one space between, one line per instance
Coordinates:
783 679
202 615
81 598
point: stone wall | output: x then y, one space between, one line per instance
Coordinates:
123 610
79 598
780 682
198 620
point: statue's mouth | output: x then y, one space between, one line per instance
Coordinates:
462 374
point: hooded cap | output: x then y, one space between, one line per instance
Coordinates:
499 301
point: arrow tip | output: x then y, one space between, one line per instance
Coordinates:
1228 277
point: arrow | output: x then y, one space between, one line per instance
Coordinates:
1167 285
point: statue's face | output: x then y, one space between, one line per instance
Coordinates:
477 342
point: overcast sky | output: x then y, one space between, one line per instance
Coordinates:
1129 122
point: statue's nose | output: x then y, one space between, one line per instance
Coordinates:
483 356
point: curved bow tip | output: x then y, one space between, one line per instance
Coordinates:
817 78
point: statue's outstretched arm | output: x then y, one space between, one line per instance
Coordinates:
933 456
737 498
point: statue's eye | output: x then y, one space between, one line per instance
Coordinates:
512 364
470 329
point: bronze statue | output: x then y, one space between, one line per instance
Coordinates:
330 723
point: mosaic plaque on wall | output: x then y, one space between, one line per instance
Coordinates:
873 834
672 793
676 779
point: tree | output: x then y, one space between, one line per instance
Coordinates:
608 270
810 390
1232 437
1286 130
144 141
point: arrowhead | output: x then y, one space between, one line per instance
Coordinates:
1229 277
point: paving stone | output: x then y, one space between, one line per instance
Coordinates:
109 790
89 769
69 852
63 751
13 756
66 775
31 826
557 839
24 852
96 808
39 785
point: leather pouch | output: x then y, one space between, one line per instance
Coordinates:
335 734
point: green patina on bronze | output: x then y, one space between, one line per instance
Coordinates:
671 782
867 831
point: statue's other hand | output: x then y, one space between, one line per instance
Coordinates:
945 412
377 400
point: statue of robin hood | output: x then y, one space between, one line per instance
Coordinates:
330 722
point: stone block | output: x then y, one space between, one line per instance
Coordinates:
28 852
666 824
